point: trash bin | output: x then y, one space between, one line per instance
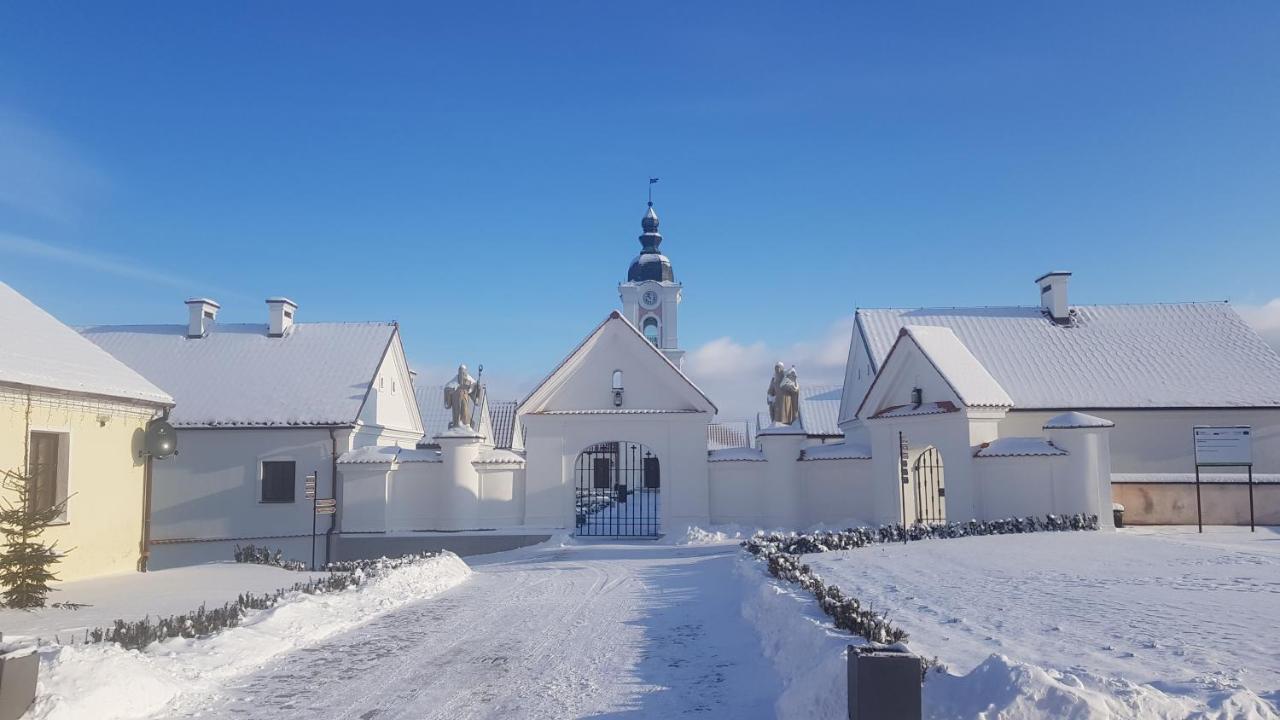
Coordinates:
1117 514
18 670
884 683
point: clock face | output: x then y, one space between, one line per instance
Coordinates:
649 299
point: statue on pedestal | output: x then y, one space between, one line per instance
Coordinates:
463 395
784 396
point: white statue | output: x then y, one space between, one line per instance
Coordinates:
462 395
784 396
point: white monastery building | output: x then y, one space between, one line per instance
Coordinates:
259 407
944 415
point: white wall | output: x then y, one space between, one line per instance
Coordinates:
679 440
212 488
1017 486
1159 441
837 492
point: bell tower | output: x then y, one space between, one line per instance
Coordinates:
650 295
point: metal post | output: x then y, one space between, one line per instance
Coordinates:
313 532
1251 525
1199 511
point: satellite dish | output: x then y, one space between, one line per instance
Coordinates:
161 439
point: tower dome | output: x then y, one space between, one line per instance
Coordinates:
650 264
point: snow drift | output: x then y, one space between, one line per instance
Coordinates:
107 682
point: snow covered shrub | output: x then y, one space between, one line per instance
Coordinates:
204 622
264 556
853 538
782 554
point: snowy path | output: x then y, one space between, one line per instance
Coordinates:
608 630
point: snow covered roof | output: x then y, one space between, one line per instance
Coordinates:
836 451
967 377
499 456
744 454
39 351
1107 356
237 375
386 454
1018 447
820 409
435 416
503 416
618 411
1073 419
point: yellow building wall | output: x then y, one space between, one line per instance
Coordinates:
104 473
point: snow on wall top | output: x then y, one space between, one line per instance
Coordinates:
837 451
1018 447
1073 419
39 351
972 383
316 374
1109 356
738 454
820 409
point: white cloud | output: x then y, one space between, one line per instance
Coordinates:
736 375
30 247
1265 319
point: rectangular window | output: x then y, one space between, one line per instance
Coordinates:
279 477
45 470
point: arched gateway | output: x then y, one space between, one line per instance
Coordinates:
617 488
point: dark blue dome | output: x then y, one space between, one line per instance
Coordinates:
651 264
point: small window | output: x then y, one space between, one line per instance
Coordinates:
44 469
617 379
279 478
379 383
917 396
651 330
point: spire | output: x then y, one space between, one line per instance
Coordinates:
651 264
651 238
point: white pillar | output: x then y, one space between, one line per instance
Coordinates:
779 499
458 449
1086 484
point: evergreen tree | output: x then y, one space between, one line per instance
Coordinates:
25 561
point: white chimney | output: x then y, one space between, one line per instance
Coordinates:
1053 295
201 312
280 312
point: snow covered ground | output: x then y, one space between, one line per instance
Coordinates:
1139 623
104 681
563 630
132 596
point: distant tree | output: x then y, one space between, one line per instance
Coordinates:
26 561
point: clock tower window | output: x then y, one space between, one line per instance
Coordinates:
651 330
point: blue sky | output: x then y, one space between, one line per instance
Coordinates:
477 172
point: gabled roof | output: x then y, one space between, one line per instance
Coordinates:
967 378
820 409
37 350
551 382
1108 356
503 417
317 374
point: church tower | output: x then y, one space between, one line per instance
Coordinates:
651 295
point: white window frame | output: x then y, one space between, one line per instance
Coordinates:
64 468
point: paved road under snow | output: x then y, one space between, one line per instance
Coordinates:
587 630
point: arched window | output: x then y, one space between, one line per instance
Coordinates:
651 329
617 379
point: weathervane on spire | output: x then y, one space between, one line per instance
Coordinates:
651 183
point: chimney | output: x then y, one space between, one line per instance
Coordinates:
201 312
280 312
1053 295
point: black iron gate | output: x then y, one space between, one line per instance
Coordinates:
930 493
617 486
